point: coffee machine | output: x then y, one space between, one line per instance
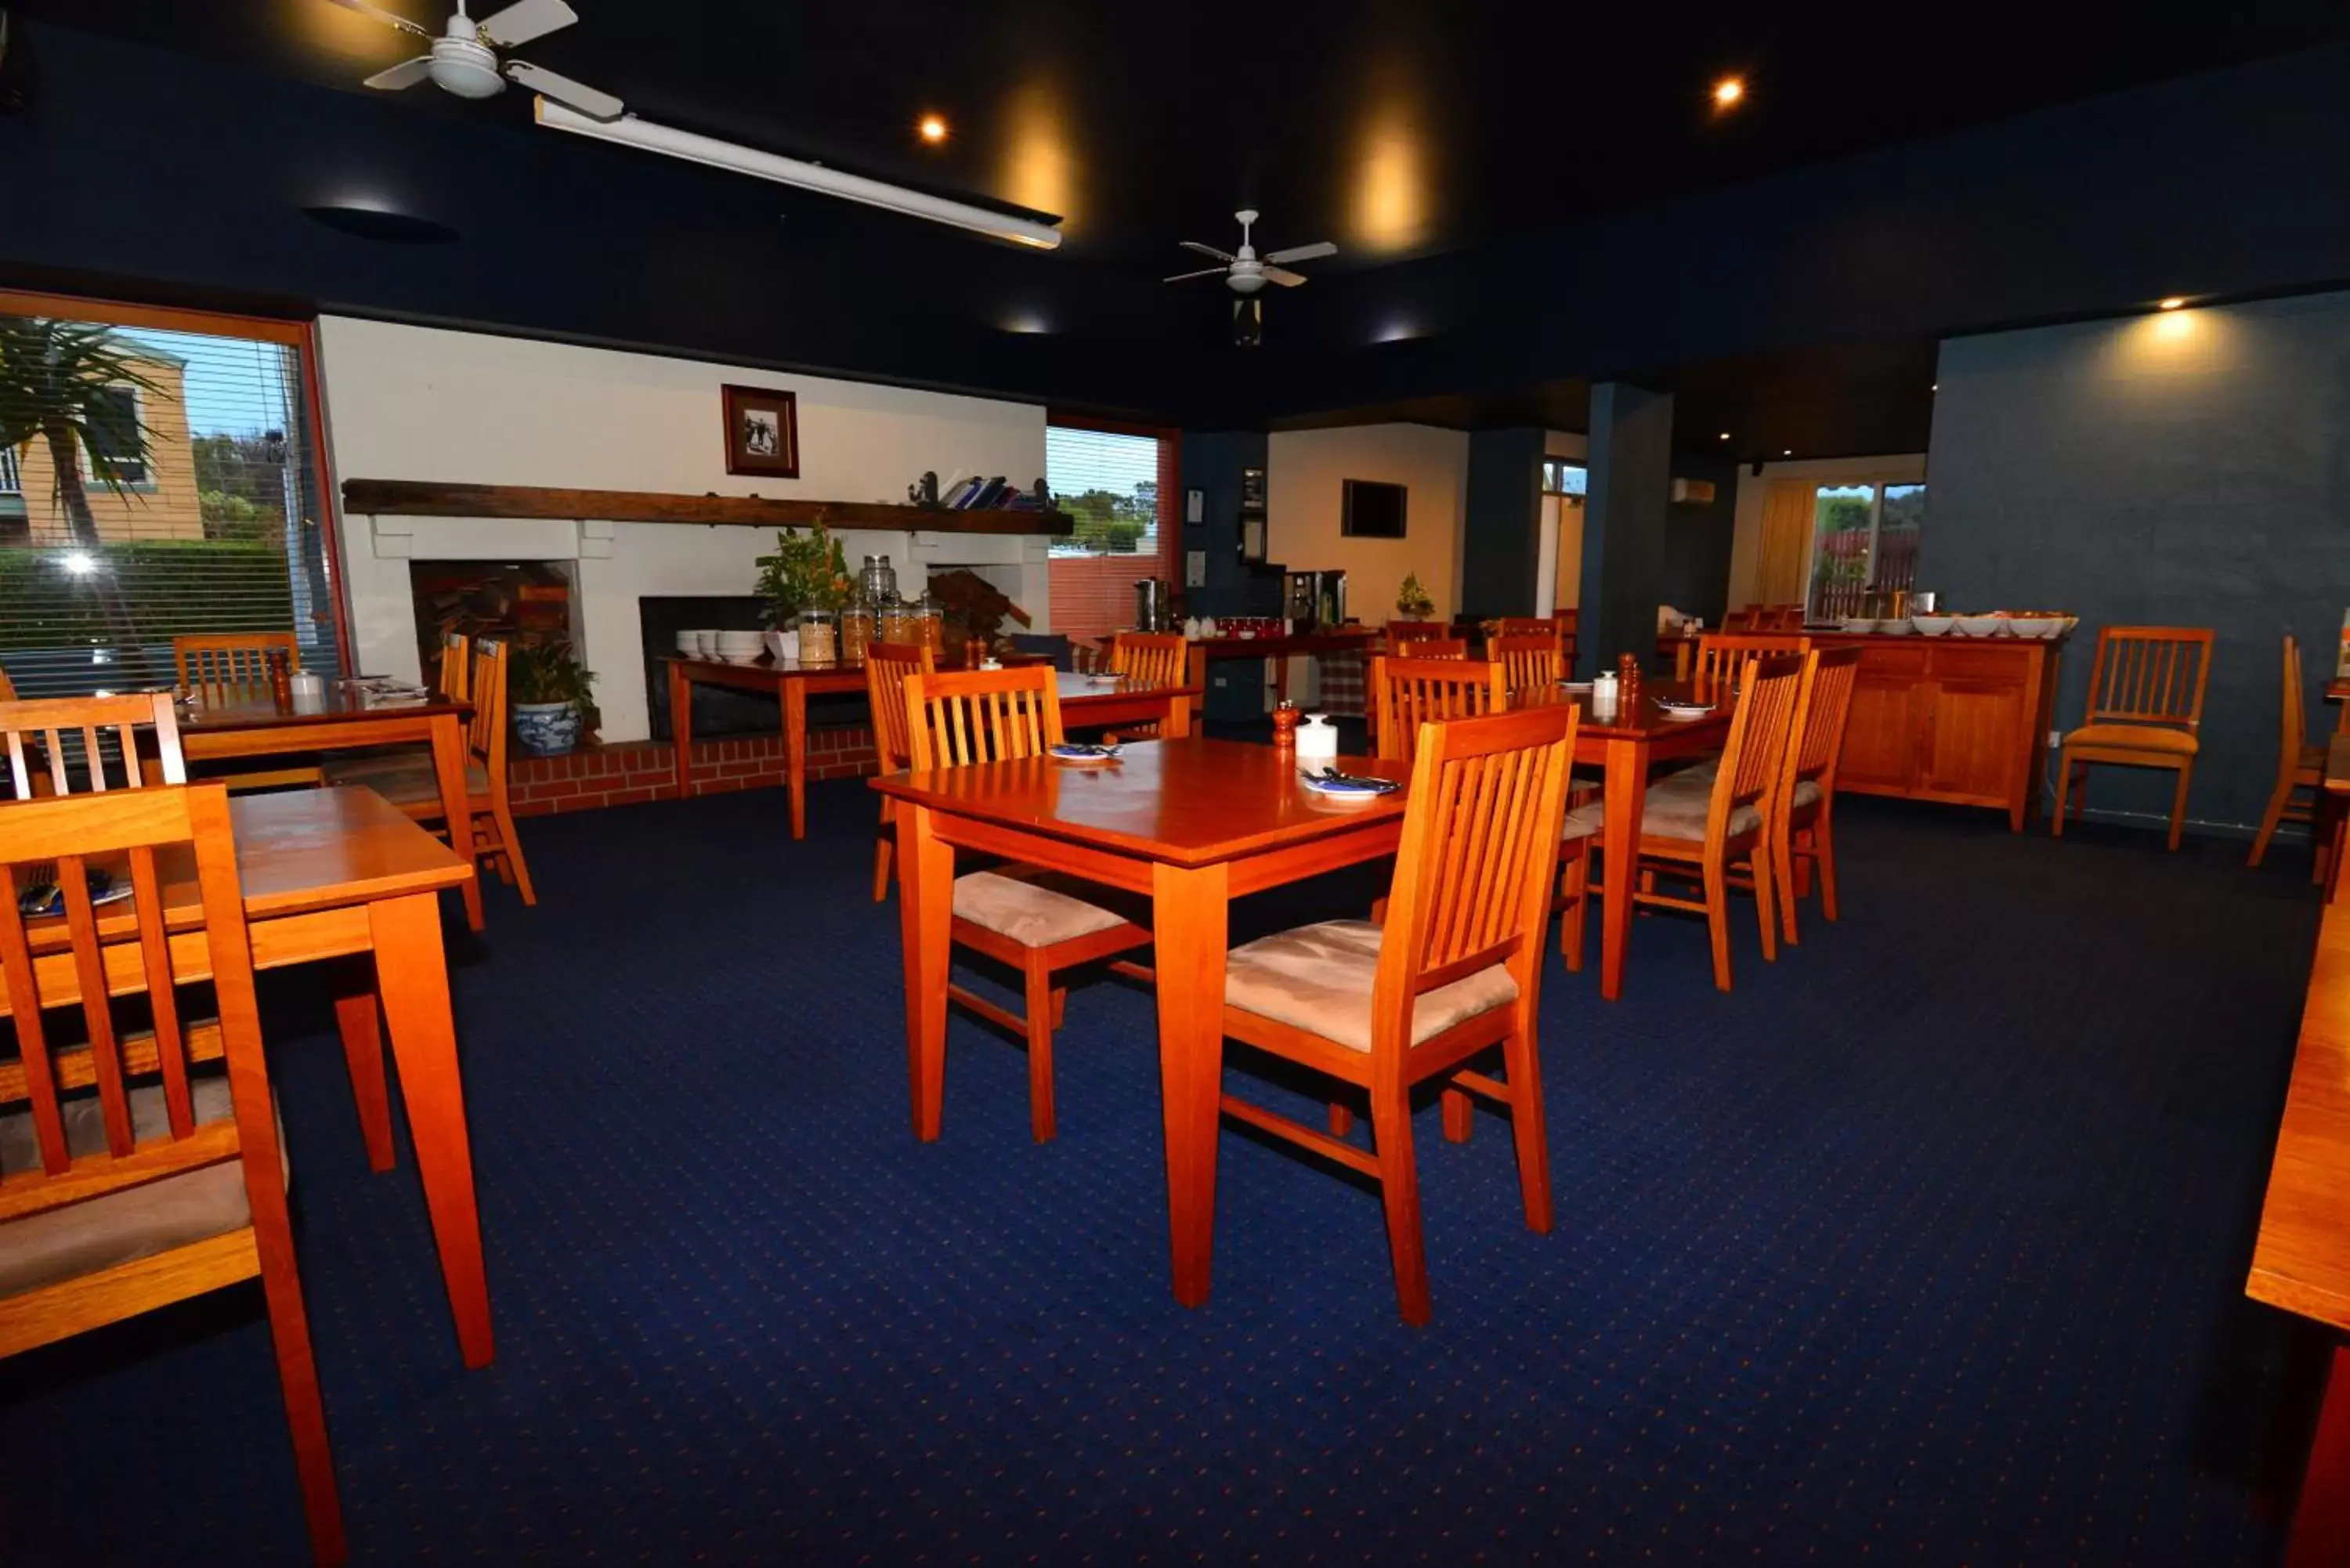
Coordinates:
1315 601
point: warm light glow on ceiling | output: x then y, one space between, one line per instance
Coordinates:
1389 209
932 127
1039 168
1729 92
2173 303
343 36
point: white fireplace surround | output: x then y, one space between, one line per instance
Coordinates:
426 404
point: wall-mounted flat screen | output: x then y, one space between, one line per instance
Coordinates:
1372 509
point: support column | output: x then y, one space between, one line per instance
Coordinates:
1623 524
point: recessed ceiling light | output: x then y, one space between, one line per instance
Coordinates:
1729 92
1935 388
932 127
2173 303
1724 436
1789 452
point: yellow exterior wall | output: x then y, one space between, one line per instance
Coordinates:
165 509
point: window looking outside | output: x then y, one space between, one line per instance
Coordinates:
1864 543
1564 476
153 483
1110 484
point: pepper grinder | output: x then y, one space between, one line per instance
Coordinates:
281 680
1627 676
1284 727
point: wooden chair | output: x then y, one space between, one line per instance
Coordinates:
132 1182
1409 692
1527 659
1782 617
1038 924
415 788
1702 825
1745 620
61 728
1455 971
455 678
1802 806
1723 654
1531 626
1150 658
2300 765
2146 706
887 666
231 659
1403 631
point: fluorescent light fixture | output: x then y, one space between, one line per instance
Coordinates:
631 132
2172 302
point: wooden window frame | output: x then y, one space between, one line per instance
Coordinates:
1170 519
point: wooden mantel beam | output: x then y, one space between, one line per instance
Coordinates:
427 498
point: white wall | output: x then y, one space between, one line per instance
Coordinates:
1746 541
412 402
1305 470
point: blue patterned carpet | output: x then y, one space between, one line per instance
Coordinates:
1924 1245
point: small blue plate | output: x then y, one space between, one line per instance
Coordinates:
1349 786
1078 752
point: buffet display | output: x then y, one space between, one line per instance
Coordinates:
2031 625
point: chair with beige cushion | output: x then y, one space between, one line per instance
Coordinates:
1706 825
1455 971
50 738
2300 765
1409 692
1802 805
1527 659
128 1180
1720 655
1037 922
411 785
887 665
2146 711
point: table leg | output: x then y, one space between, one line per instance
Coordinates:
356 1013
456 805
2320 1520
795 752
1176 723
1188 923
412 976
926 924
680 726
1627 786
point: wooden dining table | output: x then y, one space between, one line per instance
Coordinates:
1625 746
1086 701
223 723
1192 823
344 877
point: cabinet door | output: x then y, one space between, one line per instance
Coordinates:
1975 749
1880 736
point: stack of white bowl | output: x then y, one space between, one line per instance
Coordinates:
694 644
738 647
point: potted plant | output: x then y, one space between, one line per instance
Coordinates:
807 571
1412 602
548 694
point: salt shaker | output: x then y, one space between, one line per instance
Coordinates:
1317 740
1602 695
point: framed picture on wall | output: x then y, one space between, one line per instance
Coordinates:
1195 508
1252 489
1370 510
762 432
1253 537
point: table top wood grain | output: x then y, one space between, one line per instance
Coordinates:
221 709
2301 1260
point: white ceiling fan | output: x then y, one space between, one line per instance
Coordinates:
1249 272
465 58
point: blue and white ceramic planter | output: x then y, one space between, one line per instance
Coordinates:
546 728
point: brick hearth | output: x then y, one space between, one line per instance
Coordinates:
634 771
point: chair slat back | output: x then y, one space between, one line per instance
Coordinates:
1527 659
61 728
1741 619
1759 731
455 677
485 733
1531 626
1822 706
887 666
1409 692
1403 631
1150 658
1473 868
2295 730
2151 675
121 953
1437 648
231 659
958 717
1721 655
1782 617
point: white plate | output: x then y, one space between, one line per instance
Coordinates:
1350 792
1084 756
1684 710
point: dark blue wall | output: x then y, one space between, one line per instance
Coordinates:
1211 463
1501 545
2191 470
1698 537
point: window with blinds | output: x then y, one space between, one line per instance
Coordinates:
1108 483
153 483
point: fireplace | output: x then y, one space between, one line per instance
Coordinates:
508 601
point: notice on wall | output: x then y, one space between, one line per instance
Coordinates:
1195 575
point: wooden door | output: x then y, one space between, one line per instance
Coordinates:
1889 709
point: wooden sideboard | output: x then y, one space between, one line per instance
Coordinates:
1962 719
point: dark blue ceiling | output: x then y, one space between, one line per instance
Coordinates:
1528 195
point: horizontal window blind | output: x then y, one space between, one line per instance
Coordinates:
152 484
1108 483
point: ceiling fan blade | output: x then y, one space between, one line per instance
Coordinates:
381 15
526 19
406 74
1283 277
1208 250
1302 253
563 90
1204 272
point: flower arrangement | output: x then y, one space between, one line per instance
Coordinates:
1411 600
807 571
